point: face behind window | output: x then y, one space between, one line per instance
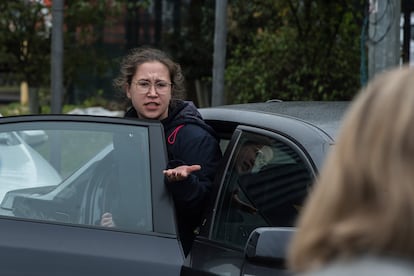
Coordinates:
267 183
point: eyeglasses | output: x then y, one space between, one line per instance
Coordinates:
161 87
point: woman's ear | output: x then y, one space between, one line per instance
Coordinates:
127 90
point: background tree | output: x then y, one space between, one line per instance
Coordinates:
289 49
293 50
90 62
191 43
25 45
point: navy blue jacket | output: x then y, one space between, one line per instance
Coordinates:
190 141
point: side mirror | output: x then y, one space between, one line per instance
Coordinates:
268 244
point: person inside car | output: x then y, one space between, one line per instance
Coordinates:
251 157
154 84
359 219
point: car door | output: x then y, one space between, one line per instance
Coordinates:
264 179
55 189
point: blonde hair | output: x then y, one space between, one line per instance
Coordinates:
363 200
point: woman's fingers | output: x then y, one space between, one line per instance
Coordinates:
181 172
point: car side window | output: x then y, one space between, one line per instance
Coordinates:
74 175
265 185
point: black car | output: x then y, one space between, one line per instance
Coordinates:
272 153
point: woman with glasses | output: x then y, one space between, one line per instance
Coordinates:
155 85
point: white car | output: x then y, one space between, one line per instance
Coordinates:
20 165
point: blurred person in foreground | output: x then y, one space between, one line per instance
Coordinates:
359 219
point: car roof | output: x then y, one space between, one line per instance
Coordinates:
325 115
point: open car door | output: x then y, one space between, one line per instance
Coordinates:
60 173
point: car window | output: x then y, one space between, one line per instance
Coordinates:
73 173
265 185
223 144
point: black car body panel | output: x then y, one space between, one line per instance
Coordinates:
34 248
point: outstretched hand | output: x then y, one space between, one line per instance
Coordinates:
181 172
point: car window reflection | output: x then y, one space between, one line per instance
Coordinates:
75 174
265 186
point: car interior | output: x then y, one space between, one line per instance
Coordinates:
270 193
